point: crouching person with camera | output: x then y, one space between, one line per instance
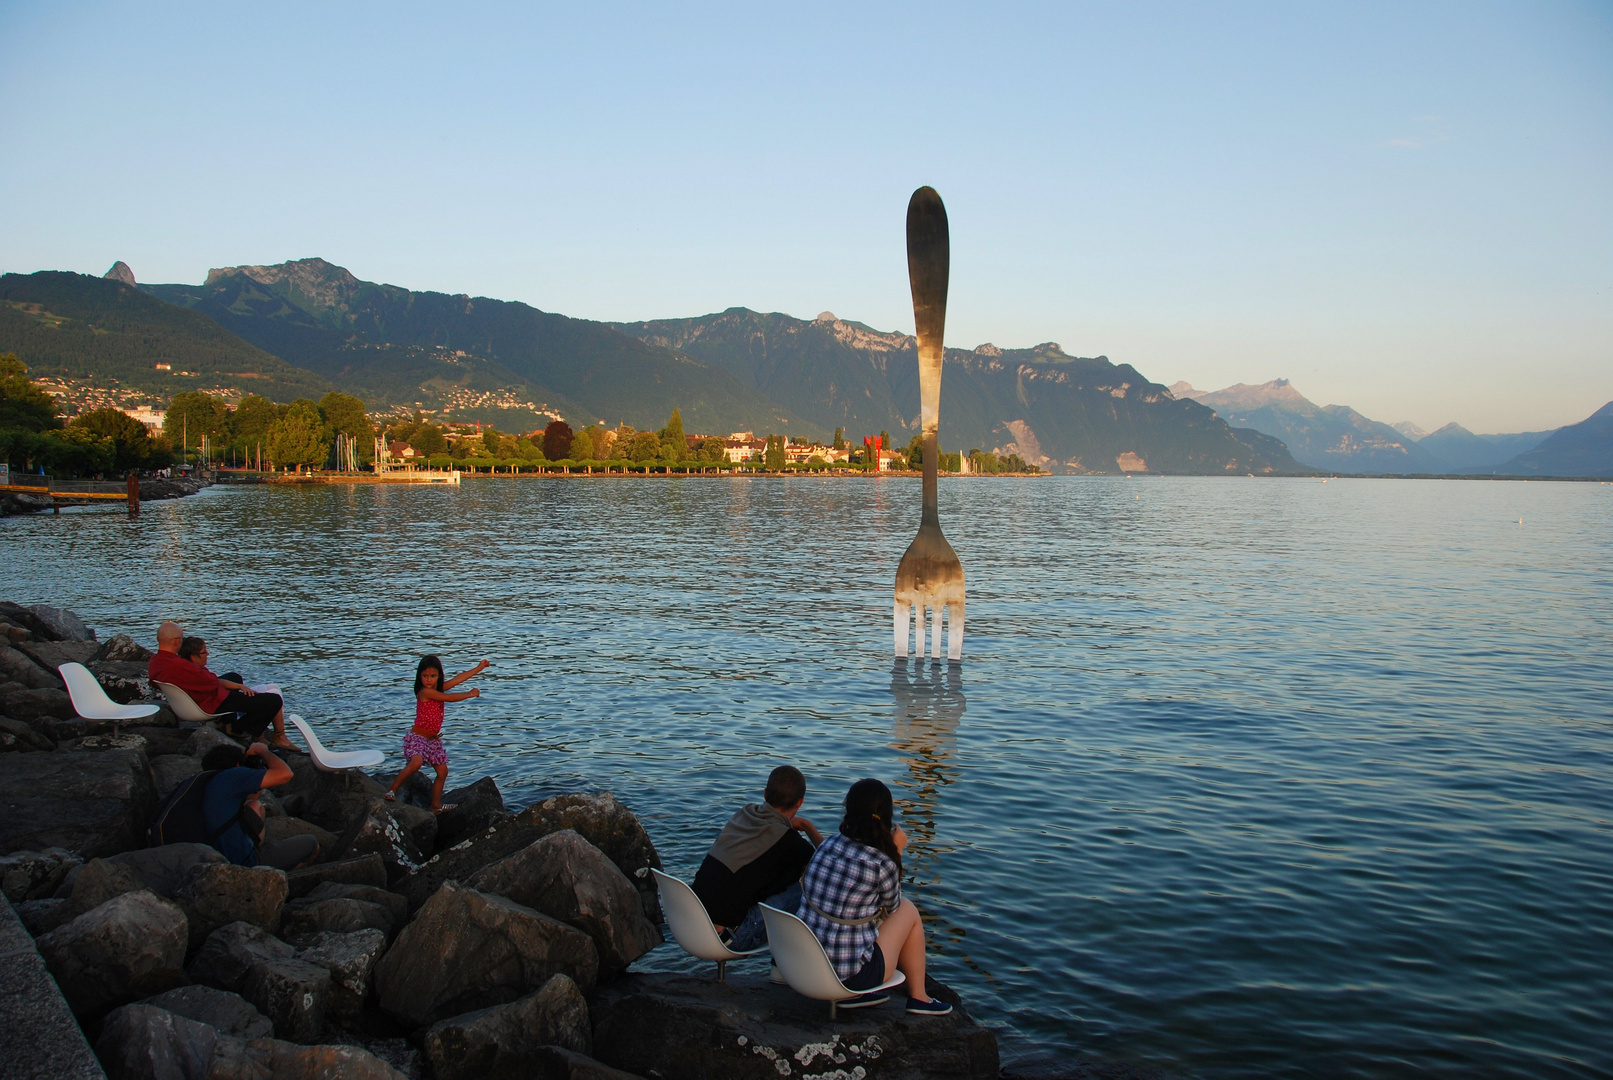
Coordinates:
232 812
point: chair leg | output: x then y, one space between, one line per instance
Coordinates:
722 966
831 1012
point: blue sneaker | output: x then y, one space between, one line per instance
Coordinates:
933 1007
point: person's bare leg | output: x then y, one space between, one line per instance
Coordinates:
436 789
408 771
280 741
901 939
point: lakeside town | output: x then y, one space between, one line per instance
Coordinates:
66 433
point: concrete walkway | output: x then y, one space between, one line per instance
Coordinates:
39 1039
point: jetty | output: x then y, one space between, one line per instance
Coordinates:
489 940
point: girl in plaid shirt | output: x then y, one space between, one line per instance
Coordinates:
851 897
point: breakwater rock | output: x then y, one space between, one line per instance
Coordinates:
488 942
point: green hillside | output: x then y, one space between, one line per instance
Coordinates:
72 326
314 314
1066 413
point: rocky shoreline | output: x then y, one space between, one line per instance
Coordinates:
16 502
488 942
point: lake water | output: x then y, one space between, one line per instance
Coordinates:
1238 777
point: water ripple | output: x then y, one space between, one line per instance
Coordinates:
1240 778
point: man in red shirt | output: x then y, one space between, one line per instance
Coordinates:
215 695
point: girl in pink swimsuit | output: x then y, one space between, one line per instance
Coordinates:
423 744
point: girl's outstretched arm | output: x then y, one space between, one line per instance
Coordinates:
463 675
438 695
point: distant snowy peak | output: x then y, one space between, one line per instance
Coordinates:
1412 431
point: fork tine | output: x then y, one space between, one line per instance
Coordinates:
899 621
954 631
935 630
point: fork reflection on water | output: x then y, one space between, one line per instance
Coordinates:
1239 777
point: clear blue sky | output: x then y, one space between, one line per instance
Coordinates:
1403 208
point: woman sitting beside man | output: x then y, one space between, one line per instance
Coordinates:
252 712
851 897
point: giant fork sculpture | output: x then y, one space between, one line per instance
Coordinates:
929 575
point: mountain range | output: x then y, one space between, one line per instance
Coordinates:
1062 412
1336 438
302 328
308 325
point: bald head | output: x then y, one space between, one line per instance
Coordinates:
169 635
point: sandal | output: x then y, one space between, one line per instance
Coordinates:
445 809
391 796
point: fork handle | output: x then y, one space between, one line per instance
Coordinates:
929 259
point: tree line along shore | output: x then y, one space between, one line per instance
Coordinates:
488 941
338 433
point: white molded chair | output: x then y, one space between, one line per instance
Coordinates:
805 966
184 705
332 761
91 702
691 927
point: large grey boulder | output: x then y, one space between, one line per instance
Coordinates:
24 620
558 1063
567 878
599 818
89 886
126 681
466 950
682 1028
275 1059
358 870
168 770
395 905
51 655
94 803
43 916
499 1043
147 1042
421 825
283 826
17 666
205 738
376 831
350 959
32 875
164 870
37 706
339 915
230 953
128 948
293 994
123 649
226 1013
476 807
217 894
61 624
18 737
335 907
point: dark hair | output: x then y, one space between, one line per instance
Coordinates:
190 647
871 817
429 662
785 787
223 757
